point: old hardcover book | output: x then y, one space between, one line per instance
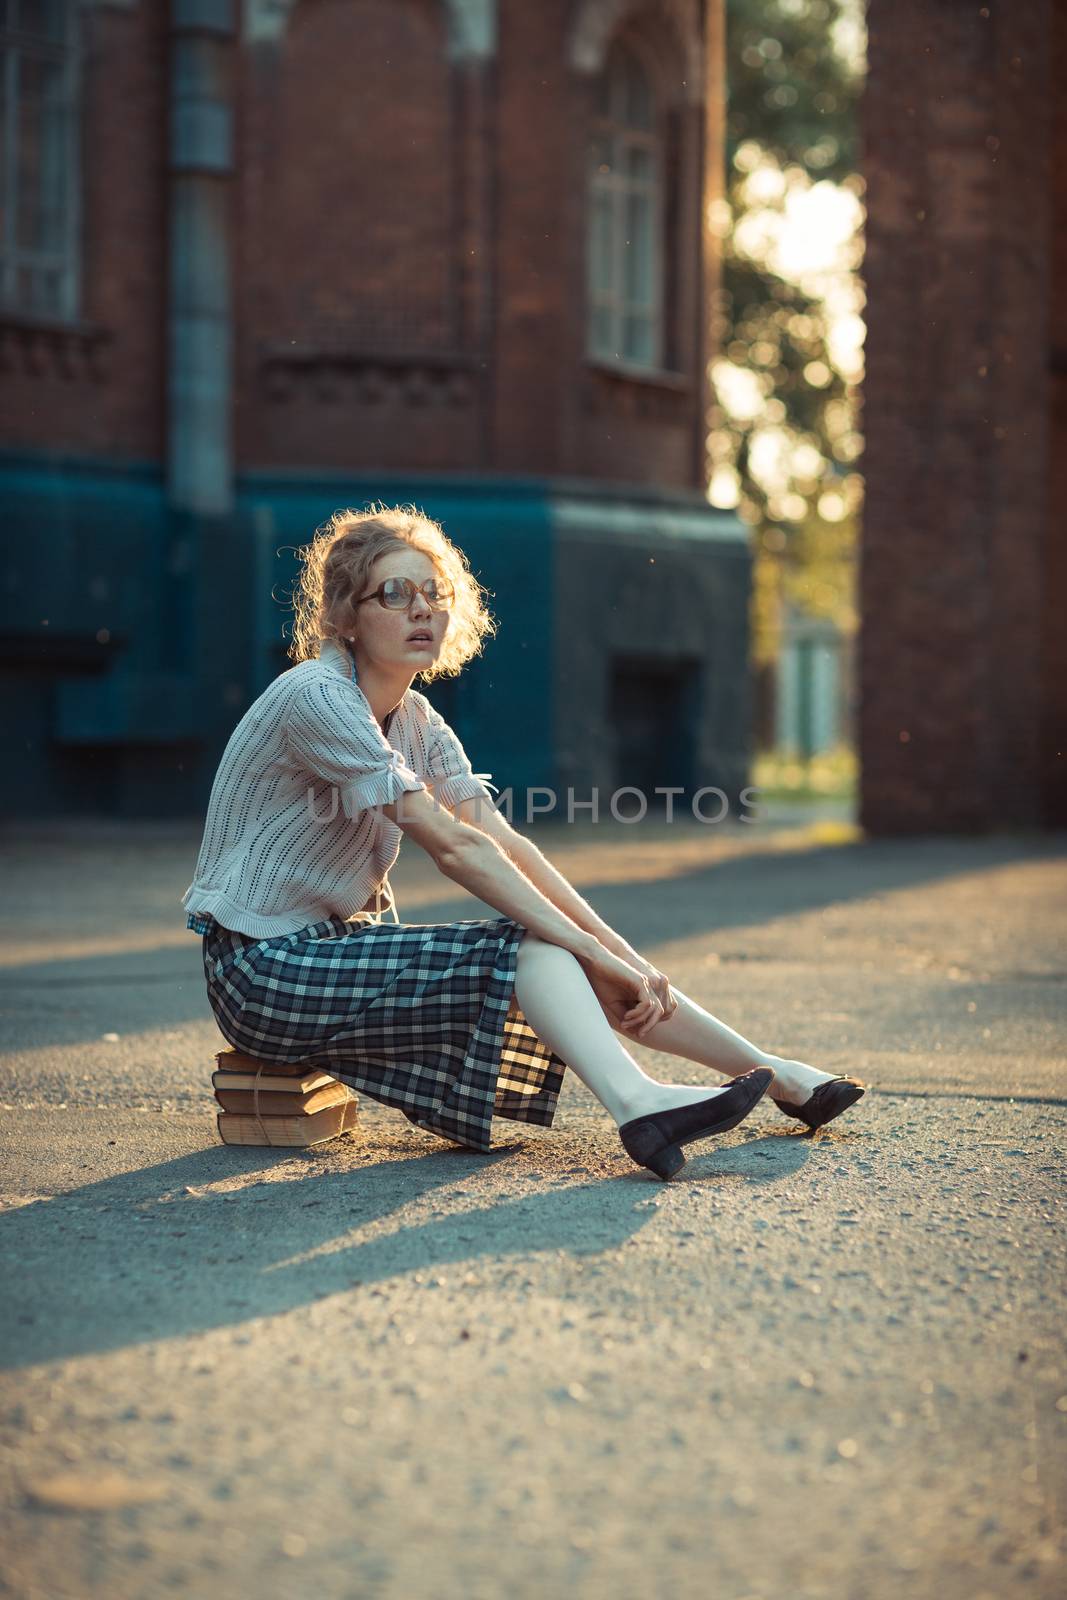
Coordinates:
303 1130
237 1061
307 1084
276 1103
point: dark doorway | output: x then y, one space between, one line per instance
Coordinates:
654 707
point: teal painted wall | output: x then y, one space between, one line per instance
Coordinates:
132 639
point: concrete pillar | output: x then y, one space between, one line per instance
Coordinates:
199 316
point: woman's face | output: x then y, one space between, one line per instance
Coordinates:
386 635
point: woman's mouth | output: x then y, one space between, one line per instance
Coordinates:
421 639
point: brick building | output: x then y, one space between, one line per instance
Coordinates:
267 259
963 647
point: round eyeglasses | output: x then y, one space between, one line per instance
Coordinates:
396 594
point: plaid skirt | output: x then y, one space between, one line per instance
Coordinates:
421 1016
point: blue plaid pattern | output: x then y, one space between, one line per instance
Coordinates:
420 1016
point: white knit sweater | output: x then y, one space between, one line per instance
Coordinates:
288 838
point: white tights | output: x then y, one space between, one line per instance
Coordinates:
559 1003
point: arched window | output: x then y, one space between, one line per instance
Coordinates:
624 279
38 158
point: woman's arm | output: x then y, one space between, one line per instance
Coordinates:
540 871
474 859
457 788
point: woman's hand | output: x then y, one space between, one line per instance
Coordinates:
625 994
658 981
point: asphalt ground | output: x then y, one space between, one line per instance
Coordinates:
807 1367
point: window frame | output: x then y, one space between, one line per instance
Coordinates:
17 46
617 185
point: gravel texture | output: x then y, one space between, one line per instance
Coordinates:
804 1368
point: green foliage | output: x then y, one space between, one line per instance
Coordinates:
794 76
792 84
831 774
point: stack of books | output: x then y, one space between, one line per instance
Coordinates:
266 1104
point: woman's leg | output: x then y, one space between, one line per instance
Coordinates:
698 1035
561 1008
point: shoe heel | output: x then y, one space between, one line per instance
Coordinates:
667 1162
645 1144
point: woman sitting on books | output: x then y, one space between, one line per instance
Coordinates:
449 1022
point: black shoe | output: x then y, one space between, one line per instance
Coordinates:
655 1141
827 1102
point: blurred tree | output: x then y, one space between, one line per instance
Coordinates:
784 426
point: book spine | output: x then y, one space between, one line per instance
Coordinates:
235 1128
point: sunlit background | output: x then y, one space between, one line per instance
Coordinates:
596 280
786 441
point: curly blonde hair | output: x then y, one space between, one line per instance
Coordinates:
337 565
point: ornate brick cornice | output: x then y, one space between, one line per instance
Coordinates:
367 378
33 347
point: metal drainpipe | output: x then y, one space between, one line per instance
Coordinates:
199 326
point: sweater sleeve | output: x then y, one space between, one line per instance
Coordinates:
331 735
448 766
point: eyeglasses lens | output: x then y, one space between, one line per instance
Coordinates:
399 592
395 593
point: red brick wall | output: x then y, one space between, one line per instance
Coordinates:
350 238
390 203
392 198
1054 589
553 412
956 413
534 240
54 393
